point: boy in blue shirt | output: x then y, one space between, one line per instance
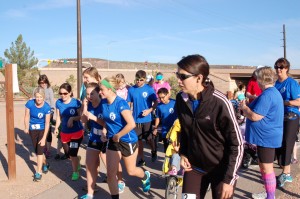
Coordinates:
142 101
165 114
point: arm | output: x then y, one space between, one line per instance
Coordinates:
26 120
58 121
156 123
233 146
295 102
74 118
148 111
126 114
84 114
249 113
51 95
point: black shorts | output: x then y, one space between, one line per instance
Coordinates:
126 149
99 146
36 136
265 155
143 130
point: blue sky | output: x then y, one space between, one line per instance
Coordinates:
234 32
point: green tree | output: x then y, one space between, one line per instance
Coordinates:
20 54
23 56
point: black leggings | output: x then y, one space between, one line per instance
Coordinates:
197 183
71 148
290 130
36 136
49 136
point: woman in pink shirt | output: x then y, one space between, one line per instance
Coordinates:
122 86
160 83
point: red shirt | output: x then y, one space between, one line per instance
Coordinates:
253 88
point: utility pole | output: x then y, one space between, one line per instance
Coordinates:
79 50
284 42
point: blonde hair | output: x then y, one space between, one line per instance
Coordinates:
112 81
93 72
40 91
266 75
119 78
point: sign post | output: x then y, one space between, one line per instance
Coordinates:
10 122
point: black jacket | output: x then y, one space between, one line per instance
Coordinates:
210 138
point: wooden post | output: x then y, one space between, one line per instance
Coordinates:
10 122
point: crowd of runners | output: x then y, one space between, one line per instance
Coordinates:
200 133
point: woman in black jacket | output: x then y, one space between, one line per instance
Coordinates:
211 145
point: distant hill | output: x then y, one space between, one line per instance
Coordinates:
103 63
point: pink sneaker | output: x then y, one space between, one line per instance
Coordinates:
173 172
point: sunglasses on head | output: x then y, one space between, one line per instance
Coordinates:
63 93
279 67
182 76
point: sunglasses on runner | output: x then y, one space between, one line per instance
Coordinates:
182 76
279 67
63 93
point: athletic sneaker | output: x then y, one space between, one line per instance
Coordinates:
141 163
75 176
37 177
121 186
146 183
87 196
261 195
283 178
45 168
153 156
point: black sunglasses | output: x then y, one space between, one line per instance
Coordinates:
182 76
279 67
63 93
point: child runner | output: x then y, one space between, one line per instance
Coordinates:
68 111
122 86
165 114
37 122
122 137
142 100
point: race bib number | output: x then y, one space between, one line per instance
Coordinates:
188 196
97 131
36 126
73 145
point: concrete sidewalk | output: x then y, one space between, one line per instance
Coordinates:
57 182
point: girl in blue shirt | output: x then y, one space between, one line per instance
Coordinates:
37 122
289 90
122 138
68 112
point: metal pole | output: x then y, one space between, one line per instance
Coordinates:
10 122
79 50
284 42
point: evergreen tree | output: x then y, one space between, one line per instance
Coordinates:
22 55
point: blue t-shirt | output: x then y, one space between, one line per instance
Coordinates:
142 99
268 131
96 129
37 115
289 90
167 115
67 111
114 120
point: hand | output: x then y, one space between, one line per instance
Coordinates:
56 131
26 131
42 142
154 132
103 135
185 164
146 112
227 191
116 138
242 104
70 122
